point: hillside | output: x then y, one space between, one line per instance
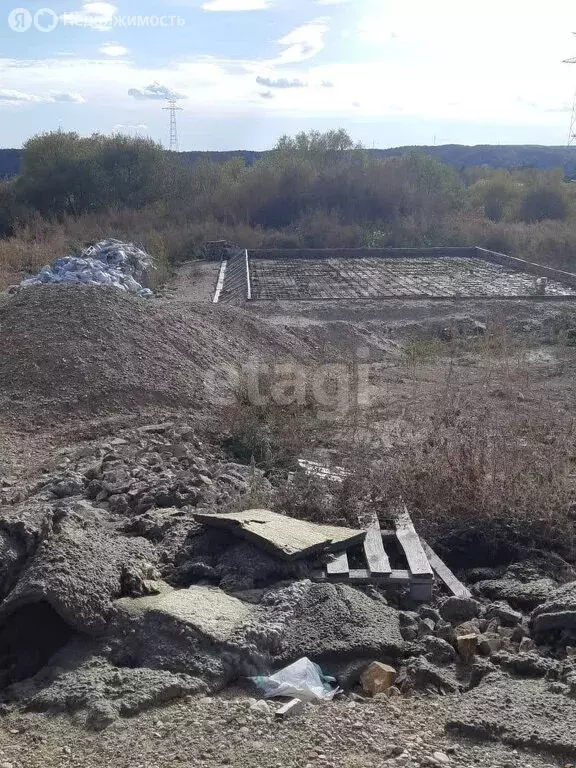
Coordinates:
457 155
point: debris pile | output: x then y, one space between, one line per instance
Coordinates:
108 262
153 575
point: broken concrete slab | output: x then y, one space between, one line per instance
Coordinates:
558 612
77 564
208 609
521 595
284 536
523 713
199 631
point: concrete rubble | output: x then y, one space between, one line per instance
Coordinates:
116 596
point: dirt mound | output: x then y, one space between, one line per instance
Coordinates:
96 350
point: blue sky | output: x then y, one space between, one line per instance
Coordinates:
391 72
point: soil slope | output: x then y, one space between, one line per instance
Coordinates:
96 350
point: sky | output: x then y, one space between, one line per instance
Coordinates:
244 72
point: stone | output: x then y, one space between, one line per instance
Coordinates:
521 595
425 627
441 757
467 645
468 628
489 643
457 609
526 645
438 651
377 678
293 707
421 674
507 615
426 612
558 612
260 707
526 664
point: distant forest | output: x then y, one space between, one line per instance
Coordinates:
460 157
313 190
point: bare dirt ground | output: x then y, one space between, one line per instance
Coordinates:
84 366
212 732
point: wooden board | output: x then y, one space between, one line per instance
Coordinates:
410 543
376 557
444 573
285 537
338 566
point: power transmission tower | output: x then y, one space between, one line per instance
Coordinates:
572 131
173 108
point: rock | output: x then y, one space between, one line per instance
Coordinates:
526 664
457 609
467 645
420 674
445 631
377 678
524 596
426 612
441 757
261 707
526 645
438 651
408 618
489 643
425 627
523 713
468 628
558 612
507 615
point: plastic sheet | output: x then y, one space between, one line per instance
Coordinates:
303 679
108 262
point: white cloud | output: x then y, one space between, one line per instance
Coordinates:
281 82
236 5
332 2
303 43
52 97
113 49
155 92
98 16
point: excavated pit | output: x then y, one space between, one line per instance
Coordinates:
29 639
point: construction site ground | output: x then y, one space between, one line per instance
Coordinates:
82 367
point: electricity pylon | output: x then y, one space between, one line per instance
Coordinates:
173 108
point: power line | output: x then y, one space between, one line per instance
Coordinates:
572 131
173 108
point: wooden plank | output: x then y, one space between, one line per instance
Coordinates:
363 576
338 566
444 573
376 557
410 543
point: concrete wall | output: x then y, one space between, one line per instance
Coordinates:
520 265
358 253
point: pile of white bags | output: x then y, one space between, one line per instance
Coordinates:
109 262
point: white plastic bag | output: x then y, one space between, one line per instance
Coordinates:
303 679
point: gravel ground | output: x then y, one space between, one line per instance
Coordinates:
209 732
